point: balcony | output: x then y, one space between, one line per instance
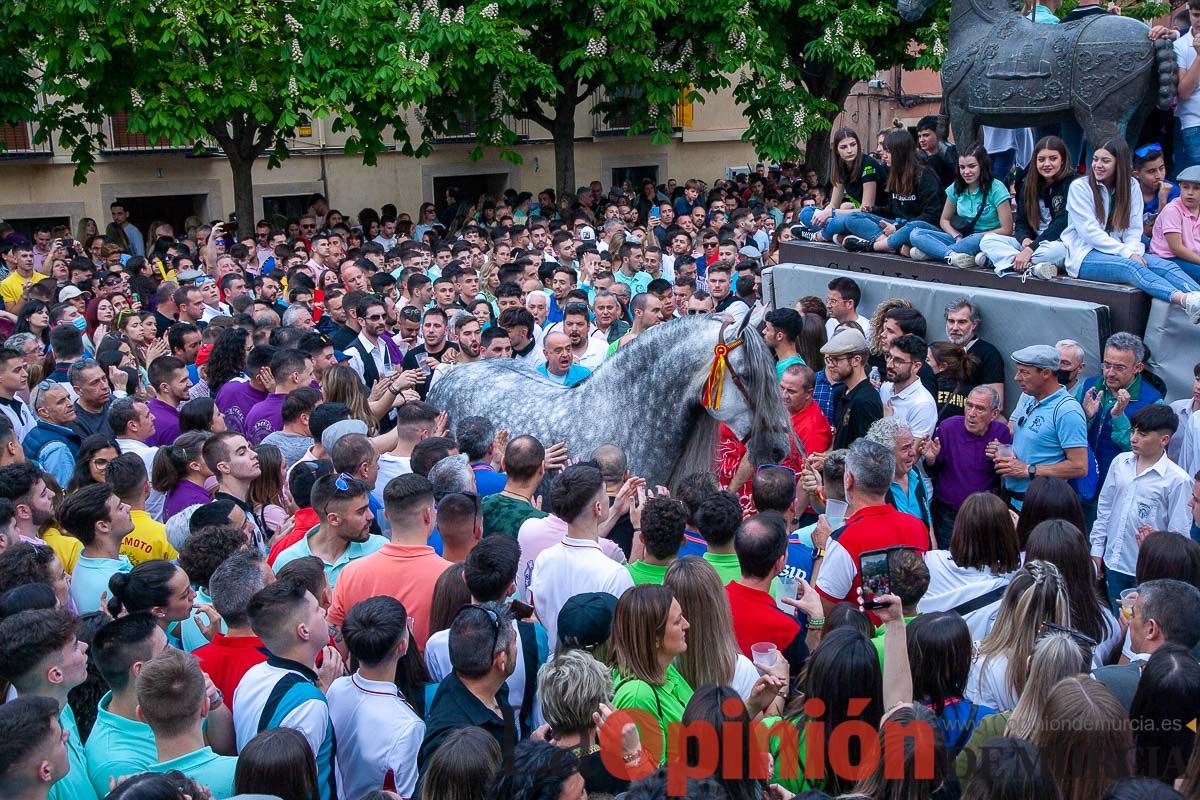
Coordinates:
617 122
468 127
17 140
119 139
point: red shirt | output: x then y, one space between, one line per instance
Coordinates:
756 618
226 659
814 433
306 520
870 528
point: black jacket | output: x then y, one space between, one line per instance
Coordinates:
1054 197
925 205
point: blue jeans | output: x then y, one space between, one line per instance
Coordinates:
1189 154
1159 278
1117 582
1190 268
869 227
939 244
836 225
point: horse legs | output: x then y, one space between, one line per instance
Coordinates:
1099 126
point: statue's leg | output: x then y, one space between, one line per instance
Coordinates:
964 124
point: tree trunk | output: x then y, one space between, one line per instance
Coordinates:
835 88
816 154
243 191
564 153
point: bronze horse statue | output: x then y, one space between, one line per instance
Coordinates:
1003 70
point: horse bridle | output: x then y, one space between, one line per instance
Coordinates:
716 374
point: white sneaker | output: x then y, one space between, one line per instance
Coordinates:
1045 271
961 260
1191 302
917 254
982 261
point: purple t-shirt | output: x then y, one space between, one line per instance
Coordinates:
183 495
235 400
166 423
265 418
962 467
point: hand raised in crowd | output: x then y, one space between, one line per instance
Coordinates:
807 601
766 689
332 667
441 425
816 461
888 409
931 449
158 347
207 620
556 456
1091 402
820 534
1121 403
625 495
407 379
811 480
631 740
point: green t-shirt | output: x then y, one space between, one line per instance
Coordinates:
877 640
780 366
968 205
728 569
504 515
789 775
206 768
641 572
665 702
75 785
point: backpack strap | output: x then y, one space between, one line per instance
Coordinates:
982 601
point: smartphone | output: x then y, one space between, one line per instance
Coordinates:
654 212
875 568
520 610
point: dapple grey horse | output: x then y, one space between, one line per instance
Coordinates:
1003 70
646 398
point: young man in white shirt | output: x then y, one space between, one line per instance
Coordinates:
904 396
378 732
1144 492
132 424
577 564
14 377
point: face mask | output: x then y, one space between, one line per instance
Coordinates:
1064 376
80 323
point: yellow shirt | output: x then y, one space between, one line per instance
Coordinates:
67 548
148 540
12 286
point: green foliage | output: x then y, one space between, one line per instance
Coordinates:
807 55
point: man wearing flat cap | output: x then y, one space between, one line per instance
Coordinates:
859 405
1048 426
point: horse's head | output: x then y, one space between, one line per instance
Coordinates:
911 10
749 399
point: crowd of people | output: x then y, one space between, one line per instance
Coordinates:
240 554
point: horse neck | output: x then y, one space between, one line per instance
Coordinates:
971 19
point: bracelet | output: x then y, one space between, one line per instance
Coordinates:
637 530
630 758
816 622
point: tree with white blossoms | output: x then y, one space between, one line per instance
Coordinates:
243 73
801 72
643 54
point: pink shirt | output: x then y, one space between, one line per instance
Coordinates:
1175 218
537 535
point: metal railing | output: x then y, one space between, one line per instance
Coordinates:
18 138
119 139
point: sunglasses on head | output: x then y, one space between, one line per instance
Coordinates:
1147 149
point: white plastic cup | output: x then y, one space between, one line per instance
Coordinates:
764 654
1004 452
787 589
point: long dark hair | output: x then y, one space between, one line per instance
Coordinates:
450 594
707 709
196 415
82 476
905 170
1048 498
1122 175
980 154
1035 184
227 360
1165 554
170 465
142 588
843 670
1064 545
984 537
31 308
939 652
1167 699
959 362
813 337
278 762
845 173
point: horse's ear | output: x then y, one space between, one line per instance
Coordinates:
742 327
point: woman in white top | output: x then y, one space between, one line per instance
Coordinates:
1104 233
712 656
1063 545
971 576
1037 595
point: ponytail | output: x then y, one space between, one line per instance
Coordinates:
142 588
171 461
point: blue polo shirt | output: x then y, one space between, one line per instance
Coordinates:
75 785
574 375
1043 430
353 551
206 768
117 747
90 580
487 480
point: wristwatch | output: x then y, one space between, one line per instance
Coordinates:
1032 471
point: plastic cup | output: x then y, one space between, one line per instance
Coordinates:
764 654
787 589
1128 598
1004 452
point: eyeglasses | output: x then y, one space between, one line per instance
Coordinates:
836 359
1109 366
342 484
411 313
202 280
1146 149
899 362
692 311
710 245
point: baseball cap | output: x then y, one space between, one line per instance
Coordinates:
203 353
189 275
846 341
586 619
69 293
339 429
586 234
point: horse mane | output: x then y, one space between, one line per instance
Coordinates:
768 411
